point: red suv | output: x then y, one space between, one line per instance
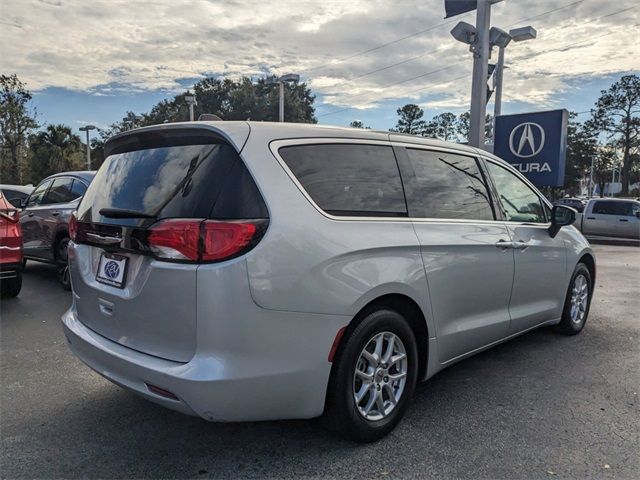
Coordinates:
10 249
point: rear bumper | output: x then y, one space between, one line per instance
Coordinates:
10 269
217 387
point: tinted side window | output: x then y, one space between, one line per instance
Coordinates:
11 194
36 196
353 180
60 191
613 208
518 201
445 185
78 188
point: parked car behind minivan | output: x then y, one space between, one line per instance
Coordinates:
244 271
10 249
45 219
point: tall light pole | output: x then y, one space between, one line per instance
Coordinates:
481 51
192 102
86 129
289 77
480 40
517 35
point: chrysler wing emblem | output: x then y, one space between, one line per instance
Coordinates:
526 140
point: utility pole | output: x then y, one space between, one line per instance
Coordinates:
497 84
281 109
480 69
192 102
86 129
591 177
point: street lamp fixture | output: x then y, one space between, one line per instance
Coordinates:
289 77
86 128
520 34
192 102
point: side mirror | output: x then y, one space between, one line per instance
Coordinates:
561 216
18 202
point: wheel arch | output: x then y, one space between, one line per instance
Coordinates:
59 235
409 309
589 260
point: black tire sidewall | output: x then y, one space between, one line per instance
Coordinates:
341 404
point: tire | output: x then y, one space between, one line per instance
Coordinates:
577 302
343 414
11 287
60 253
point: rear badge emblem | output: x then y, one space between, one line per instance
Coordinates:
112 269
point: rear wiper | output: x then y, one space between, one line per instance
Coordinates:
123 213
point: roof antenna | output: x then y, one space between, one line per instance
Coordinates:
209 117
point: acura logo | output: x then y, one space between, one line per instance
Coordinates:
526 140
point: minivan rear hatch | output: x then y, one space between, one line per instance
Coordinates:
164 201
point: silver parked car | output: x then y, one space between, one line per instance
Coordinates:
251 271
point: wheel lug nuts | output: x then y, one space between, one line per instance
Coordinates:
378 387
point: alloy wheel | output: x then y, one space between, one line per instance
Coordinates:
380 376
579 299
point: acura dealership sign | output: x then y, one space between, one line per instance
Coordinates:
535 143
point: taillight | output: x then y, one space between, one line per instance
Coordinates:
73 227
198 240
222 240
176 239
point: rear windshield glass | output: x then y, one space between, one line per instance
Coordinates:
187 181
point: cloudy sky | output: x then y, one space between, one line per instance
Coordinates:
89 62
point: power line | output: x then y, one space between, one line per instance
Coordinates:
525 57
517 59
378 47
366 74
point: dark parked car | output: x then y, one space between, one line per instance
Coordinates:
576 203
45 218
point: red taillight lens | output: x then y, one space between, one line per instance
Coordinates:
201 240
225 239
176 239
73 227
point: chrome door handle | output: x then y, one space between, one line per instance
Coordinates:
520 245
504 244
55 213
623 220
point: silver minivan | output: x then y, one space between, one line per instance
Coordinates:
243 271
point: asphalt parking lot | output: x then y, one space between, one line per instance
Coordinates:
540 406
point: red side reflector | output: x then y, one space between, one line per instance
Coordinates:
161 391
336 344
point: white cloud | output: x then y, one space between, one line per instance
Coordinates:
115 46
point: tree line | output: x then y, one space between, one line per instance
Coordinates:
608 137
30 151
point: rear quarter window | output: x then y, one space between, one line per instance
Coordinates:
349 180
